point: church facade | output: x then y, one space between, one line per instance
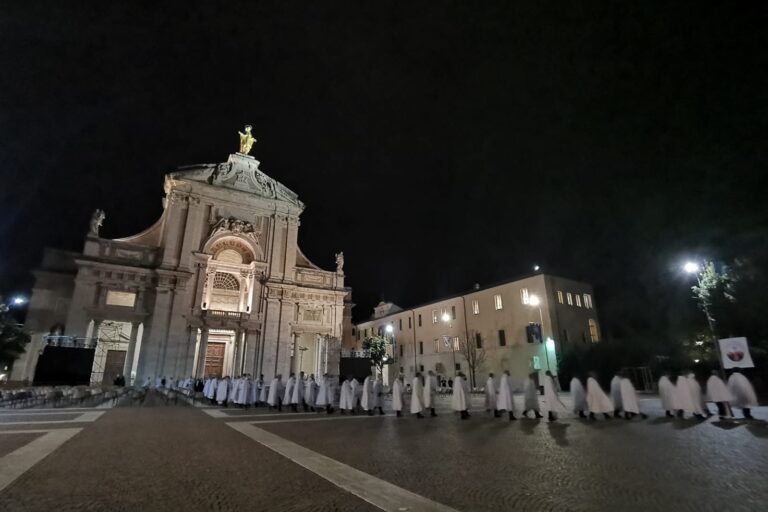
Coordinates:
217 286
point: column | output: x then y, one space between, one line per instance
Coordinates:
199 373
96 327
236 352
129 354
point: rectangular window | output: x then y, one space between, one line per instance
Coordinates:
401 324
353 331
453 312
421 367
409 323
569 296
381 331
524 296
456 346
421 347
458 367
401 350
358 335
475 307
587 301
434 316
124 299
593 331
419 319
559 296
366 333
478 340
497 302
502 338
438 342
578 300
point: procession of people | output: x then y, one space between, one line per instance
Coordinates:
680 395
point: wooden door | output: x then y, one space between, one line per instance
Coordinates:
214 359
113 365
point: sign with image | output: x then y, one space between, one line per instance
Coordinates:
734 353
536 363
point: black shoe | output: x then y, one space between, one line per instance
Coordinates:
433 413
419 415
399 413
342 411
551 416
669 414
680 413
496 414
524 414
381 411
512 416
370 412
643 416
538 415
627 416
582 415
592 416
607 416
616 414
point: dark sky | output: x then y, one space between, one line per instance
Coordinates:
436 144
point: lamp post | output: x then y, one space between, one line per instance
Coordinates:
446 318
534 301
391 331
301 358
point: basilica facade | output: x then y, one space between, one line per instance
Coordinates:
217 286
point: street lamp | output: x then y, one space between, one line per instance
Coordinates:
18 300
534 301
301 358
446 318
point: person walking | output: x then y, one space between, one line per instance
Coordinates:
505 401
597 401
430 388
460 398
417 396
531 398
554 405
743 393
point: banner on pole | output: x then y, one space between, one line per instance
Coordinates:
734 352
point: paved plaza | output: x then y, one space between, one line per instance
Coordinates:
165 456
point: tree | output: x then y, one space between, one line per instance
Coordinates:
13 339
377 350
474 355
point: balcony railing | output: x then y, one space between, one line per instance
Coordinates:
360 354
70 341
226 315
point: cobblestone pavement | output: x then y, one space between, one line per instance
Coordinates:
158 457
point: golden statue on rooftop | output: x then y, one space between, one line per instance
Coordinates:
246 140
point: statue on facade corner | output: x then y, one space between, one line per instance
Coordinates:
97 219
340 262
246 140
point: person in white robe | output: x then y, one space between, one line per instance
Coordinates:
274 398
288 391
505 400
297 393
366 401
256 386
264 392
310 393
357 393
222 391
346 399
554 405
744 396
460 397
430 388
579 397
324 398
667 395
700 409
616 395
683 398
241 391
718 392
398 389
630 404
417 396
206 388
490 396
597 401
378 395
531 398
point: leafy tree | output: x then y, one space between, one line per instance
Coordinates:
377 349
475 356
13 339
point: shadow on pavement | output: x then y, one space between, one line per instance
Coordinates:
758 428
558 431
528 425
727 424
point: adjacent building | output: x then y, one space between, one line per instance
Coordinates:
520 326
217 286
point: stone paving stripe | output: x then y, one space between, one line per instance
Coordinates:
85 417
52 413
16 463
375 491
49 410
34 431
292 420
263 415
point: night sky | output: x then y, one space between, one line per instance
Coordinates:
436 144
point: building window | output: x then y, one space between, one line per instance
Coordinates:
401 350
421 367
421 347
593 331
456 346
559 296
565 335
419 319
124 299
502 338
401 324
578 300
453 312
475 307
478 340
358 335
366 333
587 301
401 369
434 316
409 322
524 296
437 345
458 367
497 302
353 331
381 331
569 296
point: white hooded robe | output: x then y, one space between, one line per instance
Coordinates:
346 401
459 401
717 390
417 396
366 402
490 394
667 394
275 388
504 400
743 393
297 395
550 395
628 396
616 392
530 394
579 395
310 392
430 386
397 395
597 401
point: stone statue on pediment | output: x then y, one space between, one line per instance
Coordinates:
246 140
97 219
340 263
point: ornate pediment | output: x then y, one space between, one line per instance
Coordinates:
236 227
